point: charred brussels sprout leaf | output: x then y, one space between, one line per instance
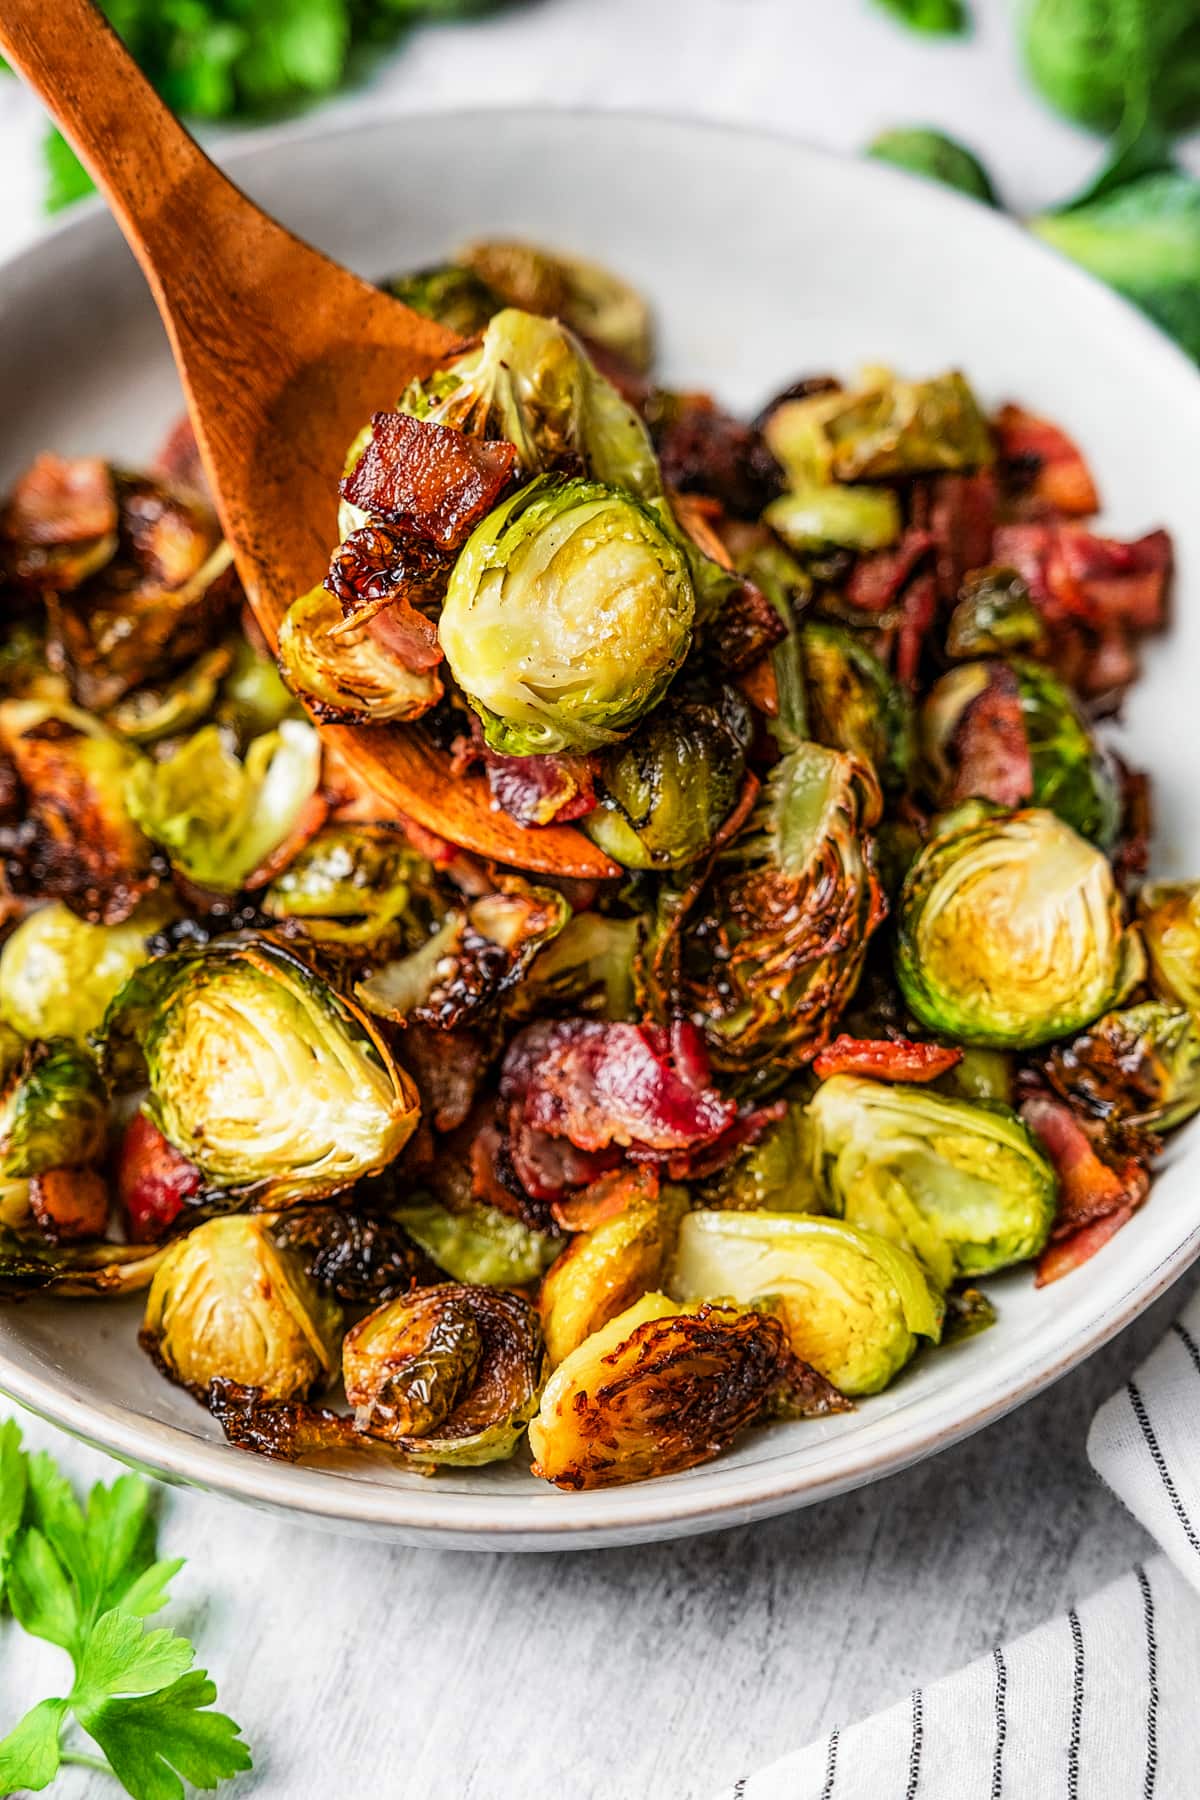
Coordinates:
448 1375
1169 915
962 1184
1140 1067
354 885
813 517
480 1244
666 792
1010 932
354 1257
53 1109
58 973
272 1084
342 674
149 714
854 1304
656 1390
937 157
221 820
888 429
853 703
227 1301
584 295
587 968
774 1174
994 616
75 1271
603 1271
569 611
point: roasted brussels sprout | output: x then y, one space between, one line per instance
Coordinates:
960 1183
603 1271
455 296
665 793
853 703
773 1174
854 1303
1169 916
1010 932
890 428
815 517
771 951
79 840
272 1084
226 1300
355 885
147 715
980 1075
995 616
343 674
1012 732
479 1244
588 967
1140 1067
656 1390
253 699
530 381
589 298
447 1374
567 615
220 820
358 1258
30 1265
59 524
53 1107
58 973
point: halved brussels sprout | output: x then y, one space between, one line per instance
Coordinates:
656 1390
267 1080
603 1271
1010 932
480 1244
227 1301
446 1374
342 673
149 714
853 703
855 1304
530 381
1169 916
887 429
220 820
773 1174
58 973
994 616
355 885
771 951
455 296
587 968
568 613
79 840
583 294
962 1184
30 1265
53 1107
1140 1067
1012 732
665 793
812 517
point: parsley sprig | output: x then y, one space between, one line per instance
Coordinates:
86 1578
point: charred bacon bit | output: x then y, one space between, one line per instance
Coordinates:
283 1429
447 1067
1121 583
381 579
1041 465
959 512
362 1261
886 1059
1097 1185
606 1197
69 1204
430 480
57 506
1069 1253
705 450
533 790
919 614
154 1180
746 628
702 1160
989 751
877 580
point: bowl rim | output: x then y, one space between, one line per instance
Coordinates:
730 1495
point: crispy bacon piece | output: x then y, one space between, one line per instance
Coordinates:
533 790
989 751
432 481
920 611
959 512
1097 1185
886 1059
705 450
605 1197
1042 465
69 1204
746 628
1069 1253
382 577
154 1181
877 580
447 1067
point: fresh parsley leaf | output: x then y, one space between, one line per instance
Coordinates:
923 151
122 1657
43 1598
30 1754
944 18
153 1740
14 1480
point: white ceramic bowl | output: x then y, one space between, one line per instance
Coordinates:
765 260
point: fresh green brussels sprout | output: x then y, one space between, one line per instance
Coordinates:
1013 732
854 1303
355 885
656 1390
937 157
1088 57
271 1083
774 1174
853 703
994 616
147 715
79 841
529 380
665 793
815 517
961 1184
1169 917
53 1107
768 953
1010 932
589 298
448 1375
480 1244
568 613
603 1271
220 820
58 973
341 673
226 1300
455 296
75 1271
889 428
1140 1067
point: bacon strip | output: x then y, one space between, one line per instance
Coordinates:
1095 1191
430 480
1044 463
154 1182
886 1059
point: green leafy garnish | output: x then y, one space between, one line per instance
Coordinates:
923 151
947 18
85 1578
1116 64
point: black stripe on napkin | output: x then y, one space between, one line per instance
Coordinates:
914 1755
1160 1463
1076 1708
1189 1343
1001 1724
831 1763
1152 1674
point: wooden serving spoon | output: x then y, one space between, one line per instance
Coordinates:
283 356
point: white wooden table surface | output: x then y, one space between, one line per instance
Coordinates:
363 1673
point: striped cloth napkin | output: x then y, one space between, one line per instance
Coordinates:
1101 1704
